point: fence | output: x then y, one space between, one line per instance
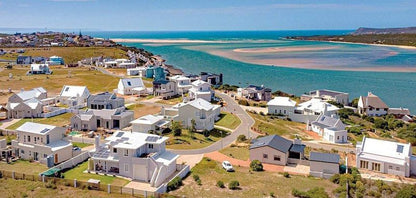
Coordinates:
5 132
50 182
72 162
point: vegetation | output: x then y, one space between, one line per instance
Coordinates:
228 87
228 120
59 120
80 144
241 138
197 140
24 166
233 185
256 165
286 174
78 173
174 184
220 184
316 192
237 152
171 101
176 128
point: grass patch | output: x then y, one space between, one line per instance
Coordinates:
171 101
93 79
185 141
78 173
142 109
237 152
60 120
23 188
228 120
80 144
252 184
24 166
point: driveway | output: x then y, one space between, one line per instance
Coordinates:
243 129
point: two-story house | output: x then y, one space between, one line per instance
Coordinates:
330 128
41 142
164 88
257 93
104 101
201 89
91 119
371 105
183 84
74 96
39 69
139 156
26 104
327 95
213 79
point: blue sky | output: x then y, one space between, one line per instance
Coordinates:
172 15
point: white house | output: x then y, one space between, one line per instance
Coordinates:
39 69
385 157
316 106
331 129
74 95
201 89
281 105
328 95
183 84
204 113
372 105
148 123
26 104
40 141
139 156
138 71
130 86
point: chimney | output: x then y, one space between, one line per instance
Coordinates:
97 142
317 93
22 90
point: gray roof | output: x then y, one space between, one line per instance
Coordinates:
103 97
324 157
297 148
273 141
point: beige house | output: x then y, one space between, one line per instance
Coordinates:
372 105
274 149
92 119
323 164
40 142
26 104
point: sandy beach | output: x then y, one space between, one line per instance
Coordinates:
380 45
281 49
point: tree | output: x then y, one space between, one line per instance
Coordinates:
176 128
233 185
192 130
354 102
380 123
345 113
256 165
241 138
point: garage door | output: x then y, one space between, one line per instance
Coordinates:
139 172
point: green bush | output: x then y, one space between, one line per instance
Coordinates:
206 133
286 174
316 192
174 184
220 184
199 182
241 138
335 179
233 185
50 184
196 177
256 165
243 102
407 191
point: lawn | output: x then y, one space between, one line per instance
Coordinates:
237 152
59 120
80 144
199 141
23 188
270 125
143 109
252 184
171 101
228 120
23 166
70 54
78 173
94 80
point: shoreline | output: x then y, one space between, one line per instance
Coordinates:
373 44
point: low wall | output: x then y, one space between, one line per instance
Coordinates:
303 118
183 171
320 174
81 139
73 161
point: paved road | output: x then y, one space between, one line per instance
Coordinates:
243 128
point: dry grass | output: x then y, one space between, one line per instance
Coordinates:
94 80
59 120
237 152
23 166
228 120
185 141
142 110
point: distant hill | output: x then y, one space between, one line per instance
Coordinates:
364 30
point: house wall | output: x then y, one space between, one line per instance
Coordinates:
24 111
302 118
400 170
335 136
284 110
188 112
324 167
342 99
144 128
257 154
375 112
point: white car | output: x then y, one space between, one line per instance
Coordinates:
227 166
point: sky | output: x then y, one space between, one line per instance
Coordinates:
205 15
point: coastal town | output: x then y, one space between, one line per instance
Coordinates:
130 124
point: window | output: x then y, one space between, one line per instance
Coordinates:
397 168
364 164
265 156
375 166
377 109
284 111
150 146
126 152
337 137
24 138
22 151
45 156
129 83
399 148
276 158
390 167
126 168
28 138
114 150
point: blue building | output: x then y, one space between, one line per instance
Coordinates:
55 60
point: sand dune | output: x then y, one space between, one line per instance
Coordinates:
281 49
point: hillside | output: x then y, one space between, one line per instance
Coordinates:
364 30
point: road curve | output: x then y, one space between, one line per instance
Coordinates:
242 129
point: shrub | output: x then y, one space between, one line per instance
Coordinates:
241 138
220 184
243 102
206 133
50 184
196 177
316 192
199 182
335 179
256 165
233 185
261 113
271 194
174 184
286 174
407 191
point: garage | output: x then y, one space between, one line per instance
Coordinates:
139 172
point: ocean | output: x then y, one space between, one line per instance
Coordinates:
253 57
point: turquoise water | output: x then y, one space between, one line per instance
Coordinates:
395 88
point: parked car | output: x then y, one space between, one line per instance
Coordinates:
227 166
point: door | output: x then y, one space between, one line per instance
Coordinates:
35 156
56 158
98 123
139 172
